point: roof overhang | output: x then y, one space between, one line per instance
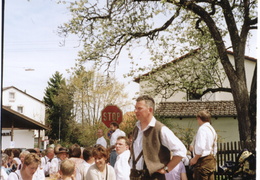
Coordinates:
191 108
11 118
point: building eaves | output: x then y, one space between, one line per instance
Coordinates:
137 80
191 108
11 118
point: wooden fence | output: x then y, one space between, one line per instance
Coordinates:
229 152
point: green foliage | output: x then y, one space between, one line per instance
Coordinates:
168 29
129 121
74 109
92 91
58 99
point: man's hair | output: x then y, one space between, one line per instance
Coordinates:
16 152
115 124
87 153
67 167
127 142
75 151
149 101
49 150
204 115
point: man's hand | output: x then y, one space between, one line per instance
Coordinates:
193 161
161 171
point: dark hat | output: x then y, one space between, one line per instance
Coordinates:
62 150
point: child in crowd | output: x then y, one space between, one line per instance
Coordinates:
67 170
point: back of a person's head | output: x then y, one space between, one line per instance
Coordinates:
75 151
32 150
16 152
67 167
9 152
204 115
87 153
24 153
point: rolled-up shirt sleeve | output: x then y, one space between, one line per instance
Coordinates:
172 142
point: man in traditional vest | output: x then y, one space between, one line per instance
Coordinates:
153 144
205 148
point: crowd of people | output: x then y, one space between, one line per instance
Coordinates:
150 152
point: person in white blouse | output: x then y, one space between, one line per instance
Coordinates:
122 167
28 170
117 132
100 170
101 140
205 148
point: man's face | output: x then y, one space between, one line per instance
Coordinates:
142 112
50 155
121 146
112 127
99 133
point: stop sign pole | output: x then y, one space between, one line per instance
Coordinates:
111 113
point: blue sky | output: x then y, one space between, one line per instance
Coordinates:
31 41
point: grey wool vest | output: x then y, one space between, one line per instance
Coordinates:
156 156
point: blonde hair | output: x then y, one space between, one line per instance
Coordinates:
67 167
32 158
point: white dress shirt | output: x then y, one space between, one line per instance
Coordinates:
54 165
102 141
206 140
84 170
122 167
115 135
168 140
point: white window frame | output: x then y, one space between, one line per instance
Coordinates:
20 109
11 96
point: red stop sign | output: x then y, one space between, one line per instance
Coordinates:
111 113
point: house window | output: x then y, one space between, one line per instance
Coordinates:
11 96
20 109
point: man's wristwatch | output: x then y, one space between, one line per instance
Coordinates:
166 169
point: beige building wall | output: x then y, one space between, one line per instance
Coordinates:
226 127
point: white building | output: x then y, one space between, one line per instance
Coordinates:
29 108
180 109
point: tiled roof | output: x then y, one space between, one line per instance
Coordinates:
190 109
